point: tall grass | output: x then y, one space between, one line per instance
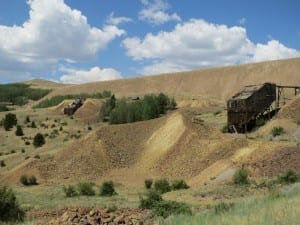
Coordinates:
281 208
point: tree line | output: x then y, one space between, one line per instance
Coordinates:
124 111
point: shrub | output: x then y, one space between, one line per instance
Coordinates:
2 163
9 121
148 183
38 140
9 207
277 131
241 177
260 122
289 177
32 180
86 189
152 197
70 191
23 150
223 207
167 208
37 156
298 122
19 131
24 180
33 124
27 142
162 186
179 184
107 189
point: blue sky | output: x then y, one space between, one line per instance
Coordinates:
75 41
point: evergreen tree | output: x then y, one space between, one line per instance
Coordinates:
38 140
19 131
9 121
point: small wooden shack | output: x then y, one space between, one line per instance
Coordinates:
71 109
245 107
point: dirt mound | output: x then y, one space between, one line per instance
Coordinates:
219 83
275 163
291 110
89 111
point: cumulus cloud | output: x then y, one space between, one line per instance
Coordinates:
117 20
197 44
155 12
94 74
54 32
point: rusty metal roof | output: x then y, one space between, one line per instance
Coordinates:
247 91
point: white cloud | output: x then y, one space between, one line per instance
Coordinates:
94 74
197 44
53 32
273 50
155 12
117 20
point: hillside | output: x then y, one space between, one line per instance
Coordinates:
218 83
45 84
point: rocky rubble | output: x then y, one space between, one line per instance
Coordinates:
102 217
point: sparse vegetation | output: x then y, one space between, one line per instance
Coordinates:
162 186
241 177
86 189
277 131
107 189
289 176
55 100
179 184
9 206
70 191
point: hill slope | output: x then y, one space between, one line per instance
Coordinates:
219 83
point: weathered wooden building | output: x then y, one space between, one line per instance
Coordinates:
71 109
245 107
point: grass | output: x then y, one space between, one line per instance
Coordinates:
281 208
51 197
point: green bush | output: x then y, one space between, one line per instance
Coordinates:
9 207
33 124
289 176
86 189
19 131
107 189
152 197
38 140
179 184
241 177
162 186
277 131
148 183
70 191
167 208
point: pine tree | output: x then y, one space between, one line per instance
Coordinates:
19 131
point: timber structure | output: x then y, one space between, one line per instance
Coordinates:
254 102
